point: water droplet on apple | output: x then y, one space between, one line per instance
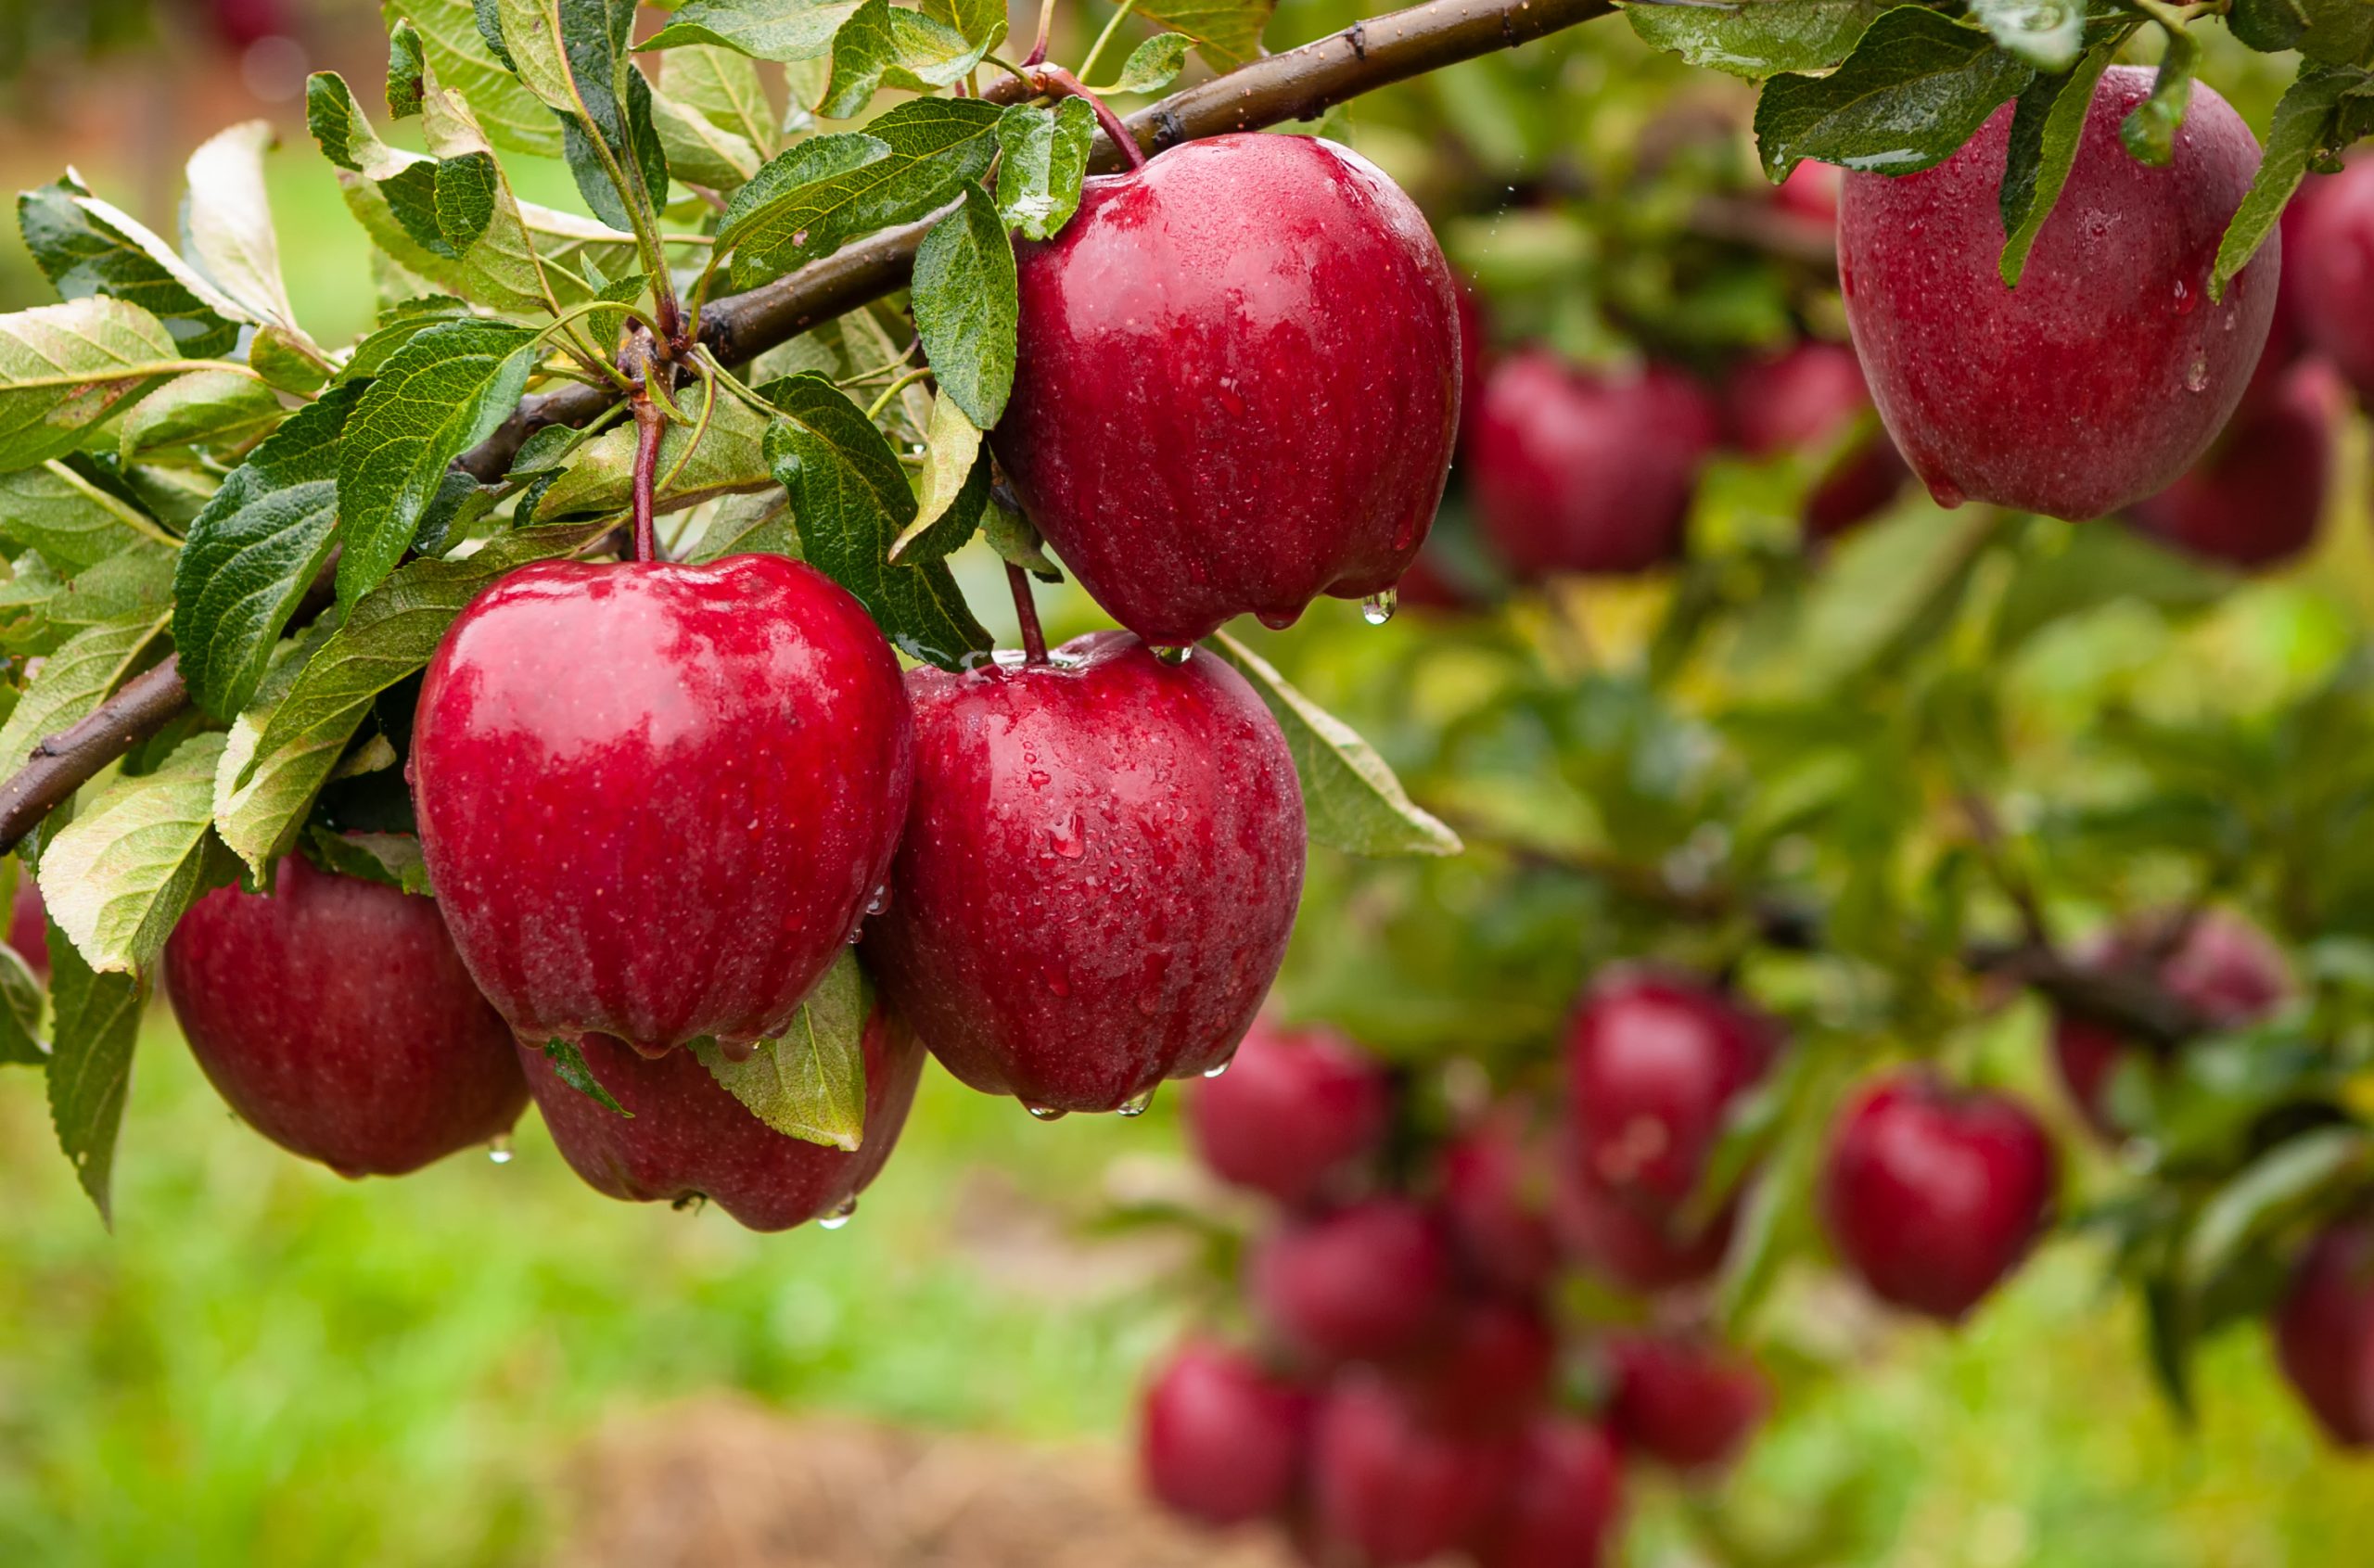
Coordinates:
1946 493
880 898
840 1216
2186 300
499 1149
1215 1071
1135 1106
1066 838
1173 656
2196 374
1045 1112
1378 608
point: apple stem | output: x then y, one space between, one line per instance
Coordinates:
1058 83
1026 610
650 423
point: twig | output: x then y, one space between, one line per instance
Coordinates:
1025 611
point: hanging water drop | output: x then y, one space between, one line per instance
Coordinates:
840 1216
499 1149
1135 1106
880 899
1173 656
2197 375
1045 1112
1378 608
1215 1071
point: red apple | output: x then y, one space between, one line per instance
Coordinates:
1932 1196
1490 1368
1296 1113
1636 1251
2335 268
2109 370
1496 1184
1238 384
1098 874
2324 1331
28 925
1802 400
1654 1064
1371 1282
656 799
1222 1440
1390 1490
2256 499
1576 471
1562 1503
336 1018
1688 1404
688 1137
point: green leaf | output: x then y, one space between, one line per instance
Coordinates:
907 164
699 150
2268 1192
849 500
2149 132
2046 129
1756 38
600 475
2268 26
2049 35
436 398
2338 31
1916 88
2301 132
392 860
573 54
1042 157
810 1083
456 53
134 584
2099 565
289 361
73 680
121 875
84 248
1890 588
64 369
965 307
881 44
1152 66
21 1003
1227 33
398 326
1017 542
97 1021
228 223
208 408
766 29
407 66
258 817
69 521
255 550
724 88
1351 799
954 490
570 1066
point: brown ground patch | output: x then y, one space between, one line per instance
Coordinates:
728 1484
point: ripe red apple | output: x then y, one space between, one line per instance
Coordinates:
1653 1063
2324 1331
688 1137
336 1018
1801 399
1496 1184
1634 1250
2256 499
1687 1403
1389 1488
2109 370
656 799
1371 1282
1098 874
1490 1370
2223 968
1563 1502
2335 267
1296 1113
28 925
1932 1196
1238 384
1222 1440
1576 471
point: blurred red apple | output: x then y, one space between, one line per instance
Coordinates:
2324 1331
1392 1490
1687 1403
2335 272
1296 1113
1222 1440
1563 1504
1371 1282
2256 499
1802 400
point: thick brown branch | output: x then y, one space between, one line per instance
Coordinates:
62 763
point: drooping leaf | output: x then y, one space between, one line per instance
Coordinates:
1756 38
1016 542
2267 1191
810 1083
1227 33
229 223
73 680
2300 132
1889 589
2098 566
849 500
1917 85
84 248
96 1022
66 368
392 860
1350 797
258 814
570 1066
208 408
965 307
766 29
407 69
954 490
69 521
456 53
2149 132
436 398
1042 157
1152 66
881 44
121 875
2046 128
573 54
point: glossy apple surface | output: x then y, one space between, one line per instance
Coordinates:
690 1138
656 799
1389 1488
1577 471
1804 400
1371 1282
1653 1063
1931 1196
2336 271
1238 384
1221 1439
1562 1503
336 1018
1296 1113
2109 370
1688 1404
1099 872
2255 500
2324 1333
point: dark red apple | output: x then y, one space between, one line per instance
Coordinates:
1931 1196
1490 1368
1099 872
1371 1282
2335 268
1654 1064
1496 1184
1631 1248
1563 1502
688 1137
2107 372
1577 471
28 925
1475 348
657 799
1296 1113
2324 1331
1687 1403
1222 1440
2256 499
2287 330
336 1018
1391 1490
1803 399
1238 384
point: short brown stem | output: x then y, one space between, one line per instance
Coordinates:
1026 610
650 424
1058 83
